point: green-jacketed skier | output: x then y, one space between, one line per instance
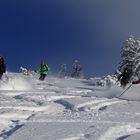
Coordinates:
42 70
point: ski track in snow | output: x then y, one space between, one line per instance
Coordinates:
54 100
97 104
120 132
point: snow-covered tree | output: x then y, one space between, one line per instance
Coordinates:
63 71
136 63
130 57
128 54
76 70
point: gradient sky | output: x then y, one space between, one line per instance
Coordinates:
60 31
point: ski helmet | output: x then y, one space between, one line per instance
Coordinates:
1 56
42 62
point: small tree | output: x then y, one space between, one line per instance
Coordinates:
76 69
63 71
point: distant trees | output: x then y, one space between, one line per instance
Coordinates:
76 70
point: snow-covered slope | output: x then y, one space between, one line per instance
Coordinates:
66 109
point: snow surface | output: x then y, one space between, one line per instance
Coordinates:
66 109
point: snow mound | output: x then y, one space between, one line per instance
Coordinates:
104 81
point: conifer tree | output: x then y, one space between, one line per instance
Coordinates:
136 63
128 54
130 57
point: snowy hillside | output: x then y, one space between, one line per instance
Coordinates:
66 109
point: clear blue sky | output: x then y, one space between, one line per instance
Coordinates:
61 31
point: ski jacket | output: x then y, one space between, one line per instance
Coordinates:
2 66
43 69
136 82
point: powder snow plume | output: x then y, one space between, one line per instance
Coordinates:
15 83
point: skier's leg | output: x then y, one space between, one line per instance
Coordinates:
1 75
40 78
123 83
43 76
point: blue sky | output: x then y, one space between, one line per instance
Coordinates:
60 31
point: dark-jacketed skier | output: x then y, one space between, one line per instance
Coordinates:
2 66
124 78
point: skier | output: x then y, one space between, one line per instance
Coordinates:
43 70
125 77
63 72
2 66
76 69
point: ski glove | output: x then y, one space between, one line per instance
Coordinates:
136 82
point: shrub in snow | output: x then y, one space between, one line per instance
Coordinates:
24 71
104 81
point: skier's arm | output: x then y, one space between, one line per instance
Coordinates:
38 70
119 77
47 67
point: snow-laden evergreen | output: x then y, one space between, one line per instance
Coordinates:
130 57
136 63
128 54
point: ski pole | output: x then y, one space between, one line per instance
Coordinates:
125 90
